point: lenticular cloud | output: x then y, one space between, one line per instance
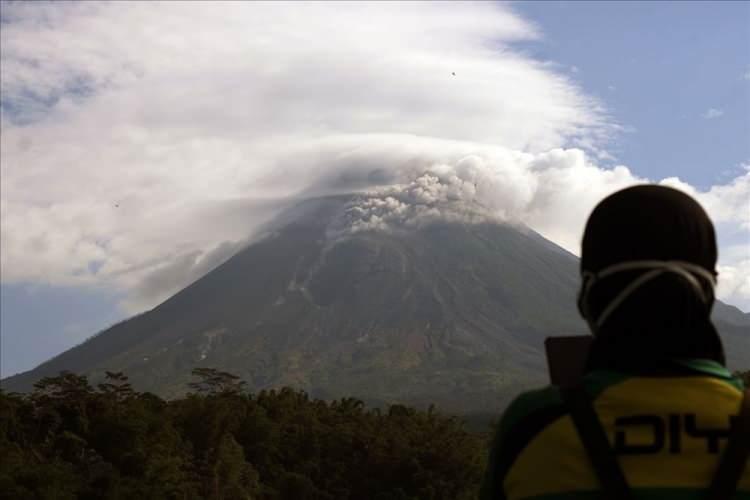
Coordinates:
137 159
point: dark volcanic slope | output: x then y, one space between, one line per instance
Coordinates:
452 314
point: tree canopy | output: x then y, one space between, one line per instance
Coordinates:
69 440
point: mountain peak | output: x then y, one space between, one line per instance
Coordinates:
373 295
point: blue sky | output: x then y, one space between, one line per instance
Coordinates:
673 79
660 67
39 322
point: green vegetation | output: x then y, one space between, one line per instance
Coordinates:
744 376
69 440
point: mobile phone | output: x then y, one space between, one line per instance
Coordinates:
566 358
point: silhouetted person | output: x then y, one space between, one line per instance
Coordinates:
651 417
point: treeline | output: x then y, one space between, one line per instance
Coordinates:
69 440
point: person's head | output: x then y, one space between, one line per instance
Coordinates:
648 262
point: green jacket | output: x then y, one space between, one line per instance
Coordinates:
667 431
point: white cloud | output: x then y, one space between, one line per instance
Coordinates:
142 142
728 202
734 275
553 192
712 113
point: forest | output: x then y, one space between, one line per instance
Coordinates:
70 440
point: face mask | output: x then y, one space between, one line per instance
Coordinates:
653 269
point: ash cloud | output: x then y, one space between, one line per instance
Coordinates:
441 194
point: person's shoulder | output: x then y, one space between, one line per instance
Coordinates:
547 403
519 424
543 400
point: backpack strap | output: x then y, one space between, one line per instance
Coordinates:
734 459
594 439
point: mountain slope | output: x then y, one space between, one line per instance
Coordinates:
448 313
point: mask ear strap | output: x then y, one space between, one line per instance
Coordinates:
688 275
684 269
625 293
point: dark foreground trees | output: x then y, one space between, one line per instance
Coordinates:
69 440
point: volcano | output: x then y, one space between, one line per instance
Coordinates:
451 313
